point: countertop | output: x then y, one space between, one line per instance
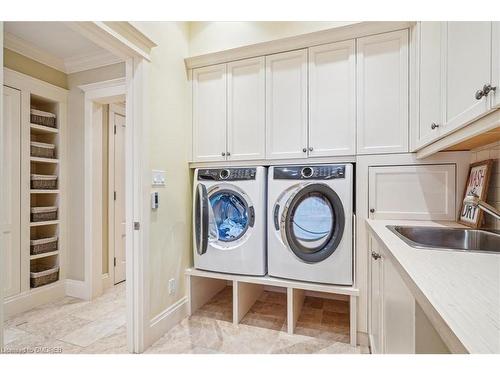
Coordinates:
458 291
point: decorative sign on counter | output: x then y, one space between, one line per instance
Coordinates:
477 185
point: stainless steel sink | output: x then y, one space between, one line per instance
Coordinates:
460 239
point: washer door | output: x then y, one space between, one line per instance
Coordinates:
233 213
312 223
204 222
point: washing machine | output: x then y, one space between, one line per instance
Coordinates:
229 220
310 223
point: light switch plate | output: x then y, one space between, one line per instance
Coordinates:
159 178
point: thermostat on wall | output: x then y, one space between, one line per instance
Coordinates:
159 178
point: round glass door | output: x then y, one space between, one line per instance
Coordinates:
314 222
231 213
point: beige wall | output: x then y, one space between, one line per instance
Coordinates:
168 144
25 65
206 37
76 161
491 151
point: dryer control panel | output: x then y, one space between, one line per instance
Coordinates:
310 172
227 174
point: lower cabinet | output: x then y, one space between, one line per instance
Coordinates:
397 323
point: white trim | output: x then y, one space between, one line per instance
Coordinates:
337 34
68 65
95 92
168 318
77 289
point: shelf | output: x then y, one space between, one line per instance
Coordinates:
40 129
44 191
44 255
40 223
44 160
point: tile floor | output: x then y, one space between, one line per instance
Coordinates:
71 326
75 326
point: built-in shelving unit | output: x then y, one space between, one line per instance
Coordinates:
42 237
45 196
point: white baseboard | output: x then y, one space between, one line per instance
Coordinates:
77 289
35 297
165 320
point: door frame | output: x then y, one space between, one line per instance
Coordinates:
113 108
1 174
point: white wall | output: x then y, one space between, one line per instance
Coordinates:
75 151
168 145
206 37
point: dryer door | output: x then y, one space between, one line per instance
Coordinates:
312 222
204 222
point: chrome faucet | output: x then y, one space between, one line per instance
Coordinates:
474 200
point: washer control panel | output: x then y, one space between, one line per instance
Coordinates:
227 174
310 172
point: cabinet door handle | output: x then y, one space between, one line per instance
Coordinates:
228 153
480 94
372 210
223 153
304 149
434 126
488 88
310 148
376 255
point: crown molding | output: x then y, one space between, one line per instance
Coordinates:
337 34
90 61
69 65
22 47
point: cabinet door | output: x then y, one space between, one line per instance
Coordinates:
412 192
382 76
468 69
246 118
398 312
431 81
10 227
286 105
376 323
495 79
332 99
209 113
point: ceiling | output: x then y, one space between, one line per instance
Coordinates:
57 45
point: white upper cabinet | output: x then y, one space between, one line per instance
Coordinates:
286 105
495 79
412 192
382 81
246 118
468 69
332 99
209 113
431 79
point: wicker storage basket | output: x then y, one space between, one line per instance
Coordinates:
42 181
42 275
43 118
43 245
43 214
42 150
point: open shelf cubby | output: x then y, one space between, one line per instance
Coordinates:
306 308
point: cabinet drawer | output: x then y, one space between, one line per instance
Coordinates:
412 192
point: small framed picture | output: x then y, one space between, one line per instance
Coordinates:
477 185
